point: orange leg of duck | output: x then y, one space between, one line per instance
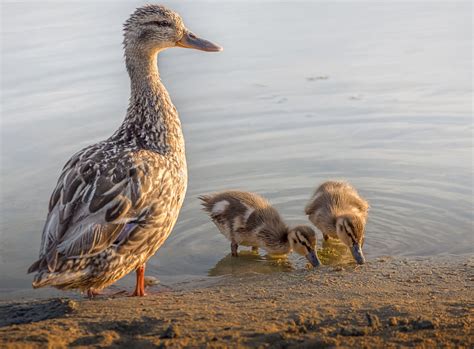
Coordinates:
140 286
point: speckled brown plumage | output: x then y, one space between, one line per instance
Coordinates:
117 201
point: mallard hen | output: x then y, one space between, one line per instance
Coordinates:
248 219
117 201
338 211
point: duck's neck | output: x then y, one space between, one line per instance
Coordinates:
152 121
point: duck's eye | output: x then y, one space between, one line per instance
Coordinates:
160 23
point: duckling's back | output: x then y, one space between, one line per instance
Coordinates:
240 215
334 198
215 202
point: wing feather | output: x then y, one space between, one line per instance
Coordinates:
89 240
94 203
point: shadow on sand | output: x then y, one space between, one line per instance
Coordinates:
23 313
123 333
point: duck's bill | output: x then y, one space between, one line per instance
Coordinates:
189 40
312 257
356 251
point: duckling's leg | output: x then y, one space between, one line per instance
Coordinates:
140 285
233 248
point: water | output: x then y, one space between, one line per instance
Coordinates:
378 94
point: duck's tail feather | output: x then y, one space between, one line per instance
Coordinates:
206 202
35 266
48 261
57 279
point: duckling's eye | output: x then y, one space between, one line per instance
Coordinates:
159 23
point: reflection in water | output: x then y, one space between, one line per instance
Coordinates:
334 252
251 262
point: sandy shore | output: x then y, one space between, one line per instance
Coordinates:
389 302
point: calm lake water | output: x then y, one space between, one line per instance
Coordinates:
378 94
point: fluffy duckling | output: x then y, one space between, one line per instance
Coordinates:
247 219
338 211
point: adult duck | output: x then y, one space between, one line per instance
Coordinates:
117 201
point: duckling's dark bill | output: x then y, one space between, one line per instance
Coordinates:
357 254
312 257
189 40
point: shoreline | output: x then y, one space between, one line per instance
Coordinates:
390 302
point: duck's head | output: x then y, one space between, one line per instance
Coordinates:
153 28
350 230
303 241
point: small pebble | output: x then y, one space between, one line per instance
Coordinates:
72 305
393 321
302 329
373 320
403 322
171 332
354 331
423 324
404 328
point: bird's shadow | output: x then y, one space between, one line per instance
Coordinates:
125 333
23 313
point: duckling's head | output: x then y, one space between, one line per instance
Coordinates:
350 230
303 241
152 28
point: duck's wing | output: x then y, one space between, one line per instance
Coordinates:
95 203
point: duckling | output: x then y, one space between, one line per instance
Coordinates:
338 211
248 219
117 201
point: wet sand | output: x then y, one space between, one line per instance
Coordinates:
387 303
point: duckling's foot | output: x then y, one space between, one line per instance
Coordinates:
140 284
233 248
